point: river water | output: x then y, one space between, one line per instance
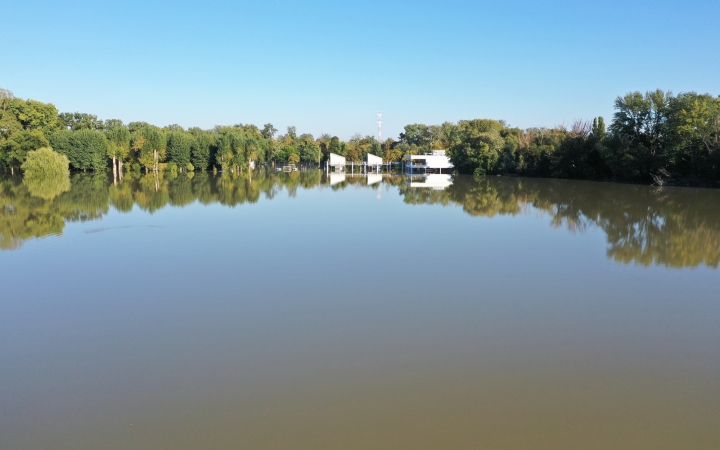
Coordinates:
305 311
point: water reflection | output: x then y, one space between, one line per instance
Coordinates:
437 181
676 227
49 186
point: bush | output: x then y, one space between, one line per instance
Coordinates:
47 173
45 162
171 168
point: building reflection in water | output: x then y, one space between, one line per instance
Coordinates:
434 181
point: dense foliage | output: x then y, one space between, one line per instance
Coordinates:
653 136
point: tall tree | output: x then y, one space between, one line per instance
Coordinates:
34 115
203 148
694 134
335 147
150 144
179 148
416 134
118 147
268 131
309 150
292 132
479 146
15 149
640 129
88 150
8 121
598 128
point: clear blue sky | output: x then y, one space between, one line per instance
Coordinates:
330 66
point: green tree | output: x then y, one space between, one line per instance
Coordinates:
598 128
5 97
80 121
694 135
268 131
86 149
292 133
642 118
479 148
34 115
46 173
16 148
179 148
150 145
60 141
203 148
231 149
639 130
417 134
335 147
578 155
309 150
286 152
8 122
118 146
112 123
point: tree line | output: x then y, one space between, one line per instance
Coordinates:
655 136
92 144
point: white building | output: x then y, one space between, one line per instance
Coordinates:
337 162
433 162
373 161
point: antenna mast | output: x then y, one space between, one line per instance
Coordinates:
379 122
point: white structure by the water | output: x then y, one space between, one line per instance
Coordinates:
373 161
337 162
433 162
435 181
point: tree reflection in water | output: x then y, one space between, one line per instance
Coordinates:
675 227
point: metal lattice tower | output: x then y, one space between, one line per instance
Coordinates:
379 122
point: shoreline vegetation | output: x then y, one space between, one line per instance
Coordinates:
655 137
643 225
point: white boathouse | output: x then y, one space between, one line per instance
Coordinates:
373 162
337 162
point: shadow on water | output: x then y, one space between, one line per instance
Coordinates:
674 227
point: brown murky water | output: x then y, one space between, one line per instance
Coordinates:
283 311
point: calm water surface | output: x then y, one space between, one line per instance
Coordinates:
299 311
